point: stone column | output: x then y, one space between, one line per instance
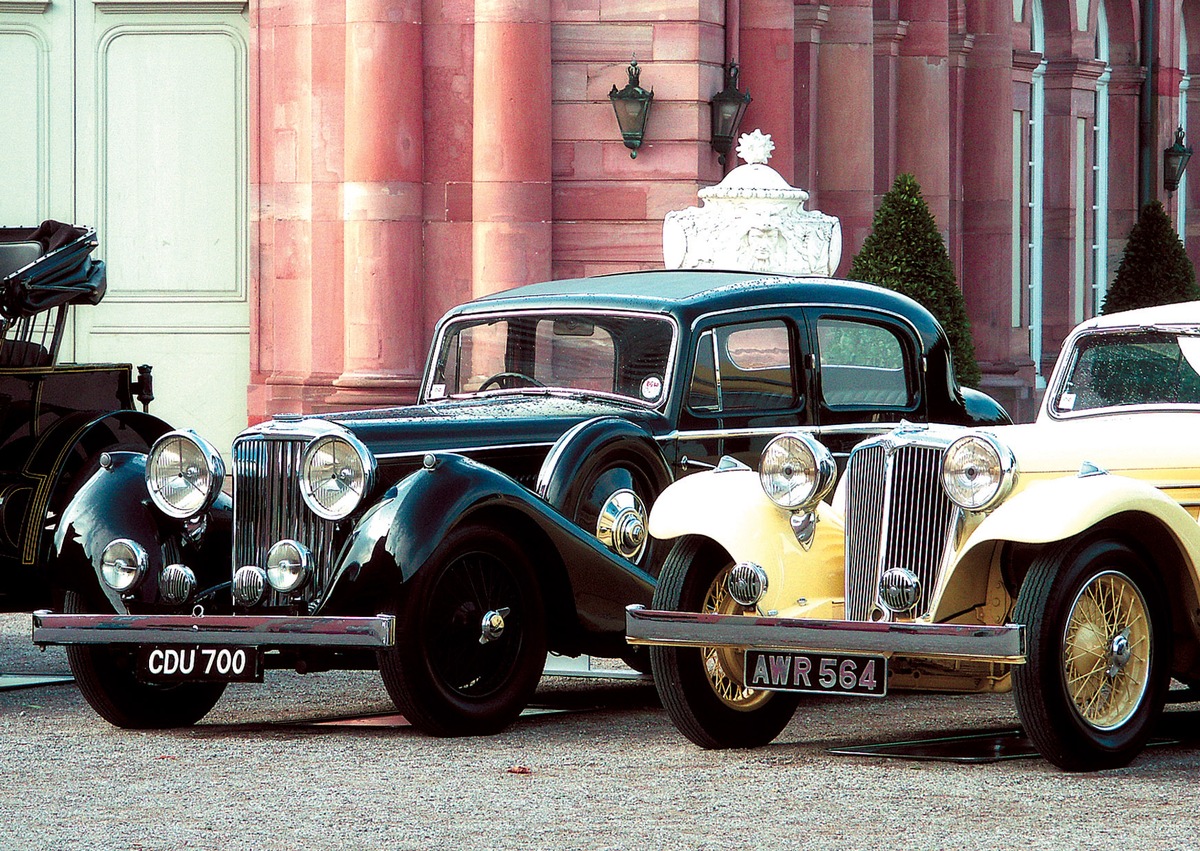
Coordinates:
923 112
1066 270
987 168
297 91
810 20
846 123
384 350
960 47
511 209
767 61
888 35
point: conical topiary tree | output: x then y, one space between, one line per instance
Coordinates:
905 252
1155 268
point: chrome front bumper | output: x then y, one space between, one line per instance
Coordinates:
244 630
918 640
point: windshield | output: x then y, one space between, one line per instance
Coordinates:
1116 370
621 355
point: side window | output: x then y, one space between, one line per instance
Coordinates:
745 367
862 365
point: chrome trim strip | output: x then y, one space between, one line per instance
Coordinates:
244 630
921 640
767 431
698 434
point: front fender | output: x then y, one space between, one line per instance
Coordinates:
730 508
1062 508
112 504
398 536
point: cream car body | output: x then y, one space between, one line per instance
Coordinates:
1114 458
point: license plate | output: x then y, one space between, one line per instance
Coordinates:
826 673
200 664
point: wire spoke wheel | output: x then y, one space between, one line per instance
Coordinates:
471 636
1106 649
472 586
702 687
1098 658
725 666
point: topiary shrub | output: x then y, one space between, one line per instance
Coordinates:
1155 268
905 252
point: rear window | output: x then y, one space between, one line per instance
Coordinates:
862 365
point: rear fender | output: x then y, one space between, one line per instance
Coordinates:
730 508
586 587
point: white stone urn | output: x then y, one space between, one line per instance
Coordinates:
755 221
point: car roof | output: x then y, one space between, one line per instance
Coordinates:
689 292
1181 313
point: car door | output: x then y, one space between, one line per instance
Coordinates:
745 382
867 377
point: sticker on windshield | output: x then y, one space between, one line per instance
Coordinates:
437 391
651 387
1066 402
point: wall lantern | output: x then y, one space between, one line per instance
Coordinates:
728 107
1175 160
632 105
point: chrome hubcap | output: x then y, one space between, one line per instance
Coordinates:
622 524
492 626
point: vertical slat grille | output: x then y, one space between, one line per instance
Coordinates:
268 507
897 515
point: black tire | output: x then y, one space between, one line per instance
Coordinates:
606 480
700 687
107 679
1098 653
439 674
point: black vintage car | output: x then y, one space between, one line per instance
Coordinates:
55 418
453 542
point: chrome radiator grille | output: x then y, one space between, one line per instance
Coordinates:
897 515
267 507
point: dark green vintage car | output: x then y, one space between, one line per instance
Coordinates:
453 542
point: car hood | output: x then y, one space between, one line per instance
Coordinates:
482 422
1154 444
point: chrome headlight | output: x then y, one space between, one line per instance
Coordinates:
288 565
978 472
184 474
796 470
123 564
335 474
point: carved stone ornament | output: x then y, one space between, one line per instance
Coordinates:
753 220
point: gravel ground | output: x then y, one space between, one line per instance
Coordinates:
260 772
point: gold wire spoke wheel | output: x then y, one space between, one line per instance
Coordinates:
1107 650
725 666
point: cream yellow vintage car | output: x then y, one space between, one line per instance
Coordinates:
1059 559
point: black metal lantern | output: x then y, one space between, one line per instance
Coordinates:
1175 160
728 107
632 105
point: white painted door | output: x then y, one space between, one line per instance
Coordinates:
155 103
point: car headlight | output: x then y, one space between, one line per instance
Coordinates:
796 470
978 472
123 564
288 565
336 473
184 473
